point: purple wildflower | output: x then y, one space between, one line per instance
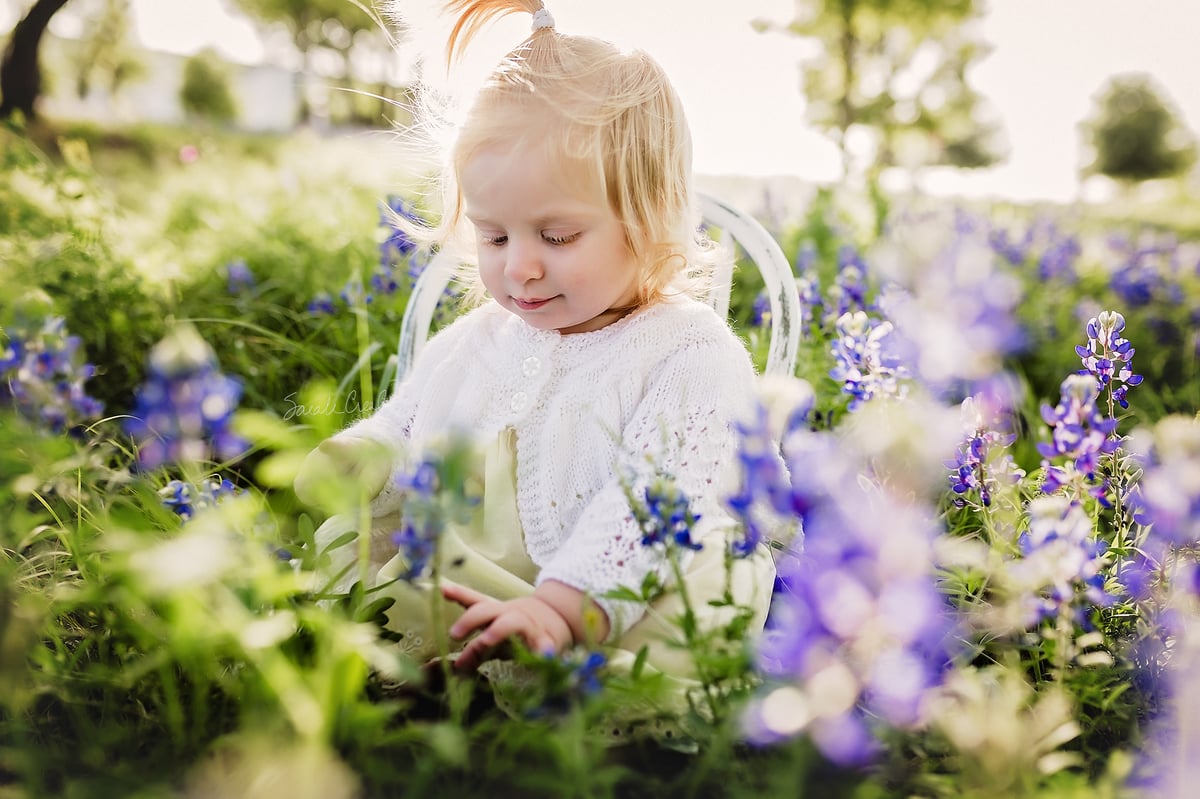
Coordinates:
437 491
866 361
384 281
665 516
186 499
354 295
395 217
763 478
42 376
185 408
953 302
858 633
569 679
238 277
1166 500
1108 356
1061 563
423 517
1058 260
1081 435
981 463
848 294
321 305
1141 275
760 310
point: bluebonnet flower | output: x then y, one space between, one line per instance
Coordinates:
354 295
384 281
422 519
416 539
1058 251
398 243
981 464
1168 765
185 408
186 499
437 490
42 375
664 514
760 310
1141 275
866 361
12 352
808 284
858 634
1108 356
568 680
1081 435
1061 565
1058 260
321 305
763 477
812 305
1166 499
1012 249
397 247
585 674
238 277
848 294
953 303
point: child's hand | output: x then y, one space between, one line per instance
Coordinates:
538 623
366 462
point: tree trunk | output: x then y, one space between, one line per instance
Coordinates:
20 73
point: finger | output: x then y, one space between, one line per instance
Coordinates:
471 656
475 617
462 595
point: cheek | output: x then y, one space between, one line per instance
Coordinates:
489 264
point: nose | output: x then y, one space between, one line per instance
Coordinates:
523 261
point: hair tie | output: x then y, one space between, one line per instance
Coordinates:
542 19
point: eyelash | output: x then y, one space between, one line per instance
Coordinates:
497 241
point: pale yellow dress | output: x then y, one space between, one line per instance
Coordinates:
489 556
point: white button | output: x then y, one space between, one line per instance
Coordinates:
531 366
518 401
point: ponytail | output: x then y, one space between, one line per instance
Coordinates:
474 15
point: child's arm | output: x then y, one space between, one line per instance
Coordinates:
338 461
549 620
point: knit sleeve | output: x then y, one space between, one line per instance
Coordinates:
683 427
391 423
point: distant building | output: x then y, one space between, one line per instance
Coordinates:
268 97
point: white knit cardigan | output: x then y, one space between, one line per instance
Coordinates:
660 388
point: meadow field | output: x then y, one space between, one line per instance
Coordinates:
992 442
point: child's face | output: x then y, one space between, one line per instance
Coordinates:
557 258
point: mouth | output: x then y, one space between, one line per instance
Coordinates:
530 304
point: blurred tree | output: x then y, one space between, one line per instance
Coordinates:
206 91
1135 134
107 53
890 82
315 26
20 71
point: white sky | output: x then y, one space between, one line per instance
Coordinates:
741 89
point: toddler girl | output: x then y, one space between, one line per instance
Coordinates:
590 369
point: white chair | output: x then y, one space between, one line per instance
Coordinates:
725 223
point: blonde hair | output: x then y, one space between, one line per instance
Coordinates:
613 113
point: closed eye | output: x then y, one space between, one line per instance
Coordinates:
494 241
554 239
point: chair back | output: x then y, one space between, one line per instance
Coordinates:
729 225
